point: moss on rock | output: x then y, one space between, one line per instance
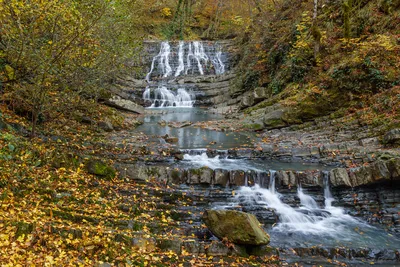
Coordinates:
100 168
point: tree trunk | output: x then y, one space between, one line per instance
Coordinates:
315 31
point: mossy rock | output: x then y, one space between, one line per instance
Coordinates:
254 126
99 168
238 227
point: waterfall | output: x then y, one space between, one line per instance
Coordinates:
163 61
307 220
327 192
201 58
272 181
181 66
163 97
306 200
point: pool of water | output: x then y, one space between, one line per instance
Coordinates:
193 137
259 165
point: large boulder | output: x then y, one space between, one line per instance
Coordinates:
238 227
274 119
99 168
125 104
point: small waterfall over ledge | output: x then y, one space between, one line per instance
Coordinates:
162 97
185 58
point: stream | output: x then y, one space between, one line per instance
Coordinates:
304 218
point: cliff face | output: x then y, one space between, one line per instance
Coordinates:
343 61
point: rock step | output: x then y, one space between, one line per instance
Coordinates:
377 172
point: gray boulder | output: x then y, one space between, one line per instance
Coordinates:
238 227
125 104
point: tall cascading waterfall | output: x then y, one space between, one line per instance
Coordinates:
186 58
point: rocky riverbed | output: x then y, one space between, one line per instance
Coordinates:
363 176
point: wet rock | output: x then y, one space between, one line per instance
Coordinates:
339 177
162 123
238 227
283 178
307 178
237 178
178 124
100 168
392 137
203 175
178 155
171 139
178 176
221 177
106 126
206 175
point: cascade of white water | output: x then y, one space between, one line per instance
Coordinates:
306 200
181 66
200 55
171 60
162 97
327 192
272 181
163 58
218 64
188 59
291 219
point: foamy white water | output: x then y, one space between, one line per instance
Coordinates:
170 61
163 97
329 221
306 200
